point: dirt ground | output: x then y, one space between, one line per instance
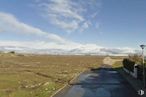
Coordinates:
25 75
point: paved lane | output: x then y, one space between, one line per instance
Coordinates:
104 82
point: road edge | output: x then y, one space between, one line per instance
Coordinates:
67 85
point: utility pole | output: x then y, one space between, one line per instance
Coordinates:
143 46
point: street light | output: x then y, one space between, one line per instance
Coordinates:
143 46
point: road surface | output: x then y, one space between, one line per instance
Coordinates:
104 82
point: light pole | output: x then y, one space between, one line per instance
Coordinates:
143 46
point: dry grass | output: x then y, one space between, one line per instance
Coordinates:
40 75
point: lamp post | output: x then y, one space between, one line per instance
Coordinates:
143 46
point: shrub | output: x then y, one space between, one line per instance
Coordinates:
136 58
12 52
128 64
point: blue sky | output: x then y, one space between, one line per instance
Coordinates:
90 24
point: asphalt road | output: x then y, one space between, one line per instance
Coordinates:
104 82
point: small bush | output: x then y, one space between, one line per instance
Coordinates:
128 64
12 52
136 58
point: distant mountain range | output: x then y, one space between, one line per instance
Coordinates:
77 51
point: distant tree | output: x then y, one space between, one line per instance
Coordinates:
12 52
136 58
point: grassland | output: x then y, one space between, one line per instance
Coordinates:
40 75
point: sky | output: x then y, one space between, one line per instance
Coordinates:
73 26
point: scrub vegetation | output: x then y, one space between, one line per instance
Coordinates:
26 75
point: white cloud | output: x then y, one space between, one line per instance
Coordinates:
70 26
63 14
10 24
69 15
64 8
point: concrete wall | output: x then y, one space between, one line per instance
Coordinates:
133 74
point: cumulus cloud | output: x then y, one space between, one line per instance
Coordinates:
70 15
9 23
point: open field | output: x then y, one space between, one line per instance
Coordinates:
40 75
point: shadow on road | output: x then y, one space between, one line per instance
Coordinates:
100 82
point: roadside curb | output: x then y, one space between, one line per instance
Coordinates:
64 87
76 77
67 85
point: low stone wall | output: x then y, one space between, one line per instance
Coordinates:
134 73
